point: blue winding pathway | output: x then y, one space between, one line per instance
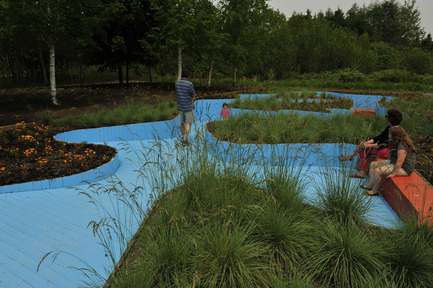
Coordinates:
47 216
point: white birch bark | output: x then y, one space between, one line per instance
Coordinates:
179 63
53 90
52 60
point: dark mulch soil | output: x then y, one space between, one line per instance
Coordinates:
39 157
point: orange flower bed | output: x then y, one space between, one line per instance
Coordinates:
30 153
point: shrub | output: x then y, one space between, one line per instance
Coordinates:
349 75
394 76
418 61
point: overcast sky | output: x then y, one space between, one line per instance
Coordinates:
287 7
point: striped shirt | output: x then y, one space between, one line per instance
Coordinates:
185 94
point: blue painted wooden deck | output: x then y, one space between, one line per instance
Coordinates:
44 216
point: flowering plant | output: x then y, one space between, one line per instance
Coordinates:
29 153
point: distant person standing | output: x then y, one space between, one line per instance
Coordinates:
185 95
225 112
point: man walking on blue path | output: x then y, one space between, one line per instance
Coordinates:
185 104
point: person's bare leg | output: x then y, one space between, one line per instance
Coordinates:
187 129
182 128
379 174
374 168
375 173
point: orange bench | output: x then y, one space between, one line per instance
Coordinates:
363 112
409 195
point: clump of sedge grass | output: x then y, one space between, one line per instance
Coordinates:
302 101
129 113
409 252
341 198
292 128
346 256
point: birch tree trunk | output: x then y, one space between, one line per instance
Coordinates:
53 89
210 73
52 61
179 63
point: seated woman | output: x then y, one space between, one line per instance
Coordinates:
401 162
376 147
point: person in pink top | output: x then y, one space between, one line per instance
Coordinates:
225 112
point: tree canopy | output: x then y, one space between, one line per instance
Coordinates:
227 38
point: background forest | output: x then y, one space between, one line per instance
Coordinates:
71 41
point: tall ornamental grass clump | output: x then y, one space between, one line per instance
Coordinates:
128 113
304 101
284 223
229 256
341 198
409 252
292 128
346 256
411 262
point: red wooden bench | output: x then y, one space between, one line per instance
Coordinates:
409 195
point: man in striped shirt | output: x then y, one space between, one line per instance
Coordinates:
185 95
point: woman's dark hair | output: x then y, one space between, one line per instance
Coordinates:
225 104
399 135
394 117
